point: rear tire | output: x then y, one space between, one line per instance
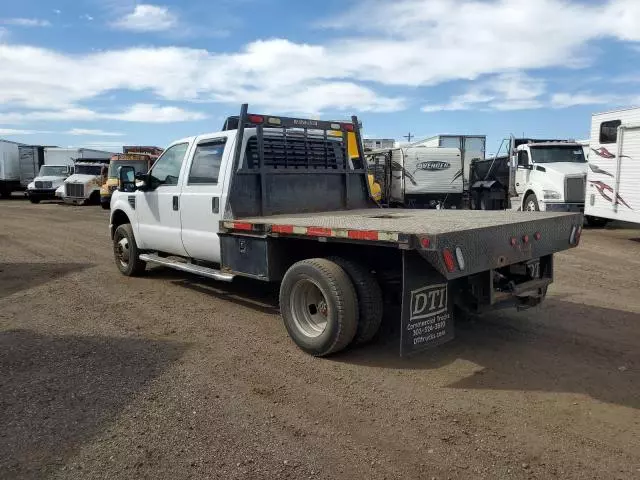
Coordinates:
105 205
319 306
34 200
125 252
370 307
531 203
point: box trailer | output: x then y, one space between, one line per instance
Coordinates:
68 156
613 177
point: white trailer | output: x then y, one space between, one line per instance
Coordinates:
9 167
472 147
613 177
424 176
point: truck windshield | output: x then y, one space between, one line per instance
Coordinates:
88 169
573 154
53 171
138 166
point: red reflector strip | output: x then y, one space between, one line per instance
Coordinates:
242 226
449 261
363 234
319 232
282 228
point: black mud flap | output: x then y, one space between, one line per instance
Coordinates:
427 306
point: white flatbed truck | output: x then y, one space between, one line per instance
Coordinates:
279 200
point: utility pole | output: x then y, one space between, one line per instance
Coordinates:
408 136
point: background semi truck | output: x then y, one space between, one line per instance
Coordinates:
533 175
279 200
613 177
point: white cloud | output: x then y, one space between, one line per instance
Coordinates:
87 17
507 91
26 22
405 43
13 131
57 11
147 18
139 112
564 100
89 131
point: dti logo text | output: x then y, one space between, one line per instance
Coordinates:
428 301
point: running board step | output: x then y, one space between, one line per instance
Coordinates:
187 267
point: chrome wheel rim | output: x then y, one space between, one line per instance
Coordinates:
122 251
531 206
310 308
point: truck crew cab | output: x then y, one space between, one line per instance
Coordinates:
280 200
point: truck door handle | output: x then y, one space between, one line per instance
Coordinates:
517 184
215 204
175 202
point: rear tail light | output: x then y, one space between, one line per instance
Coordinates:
525 239
425 242
449 261
348 127
537 236
513 241
257 119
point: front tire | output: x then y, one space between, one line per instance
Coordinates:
125 252
34 200
105 205
319 306
531 203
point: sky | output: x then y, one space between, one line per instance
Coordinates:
103 73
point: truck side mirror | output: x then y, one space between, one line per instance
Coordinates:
127 177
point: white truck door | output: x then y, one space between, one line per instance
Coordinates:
202 198
522 172
158 208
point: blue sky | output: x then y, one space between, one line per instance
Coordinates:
112 72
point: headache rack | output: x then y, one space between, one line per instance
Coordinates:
294 165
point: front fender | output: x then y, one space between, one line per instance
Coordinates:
123 211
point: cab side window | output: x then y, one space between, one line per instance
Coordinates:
523 158
205 167
166 170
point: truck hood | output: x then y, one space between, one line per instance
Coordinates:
83 178
565 168
49 178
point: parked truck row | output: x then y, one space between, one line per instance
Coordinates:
73 175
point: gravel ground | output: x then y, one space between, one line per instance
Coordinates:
171 376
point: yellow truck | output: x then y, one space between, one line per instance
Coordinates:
141 162
374 187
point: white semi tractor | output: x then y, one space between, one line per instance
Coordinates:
535 175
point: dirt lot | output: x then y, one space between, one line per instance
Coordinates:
170 376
